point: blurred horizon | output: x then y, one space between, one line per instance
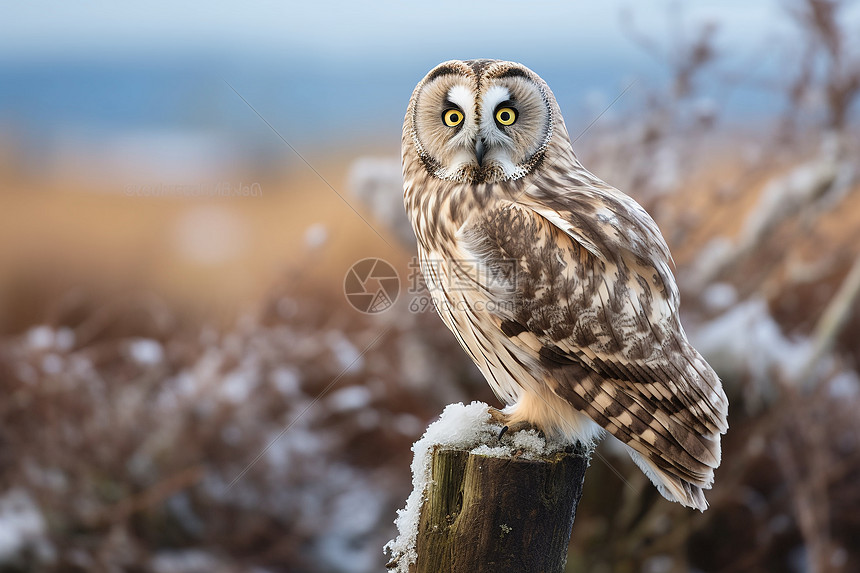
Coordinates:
95 71
131 92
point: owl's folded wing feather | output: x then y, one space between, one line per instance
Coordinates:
593 300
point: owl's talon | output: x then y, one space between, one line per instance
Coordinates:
520 426
511 428
498 416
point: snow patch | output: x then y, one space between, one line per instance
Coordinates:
351 398
145 351
408 425
184 561
845 386
287 381
52 364
237 386
45 338
22 525
355 514
762 348
719 297
40 337
348 357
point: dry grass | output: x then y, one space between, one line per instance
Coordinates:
94 239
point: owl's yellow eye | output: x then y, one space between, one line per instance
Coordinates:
452 117
506 115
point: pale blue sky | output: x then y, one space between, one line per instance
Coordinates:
346 30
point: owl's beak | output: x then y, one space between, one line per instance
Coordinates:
480 148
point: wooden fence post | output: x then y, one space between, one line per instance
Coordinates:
499 514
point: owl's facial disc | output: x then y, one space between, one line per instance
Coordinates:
481 130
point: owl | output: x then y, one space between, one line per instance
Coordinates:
557 285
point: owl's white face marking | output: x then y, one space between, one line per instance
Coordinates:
506 125
500 145
461 142
490 131
461 95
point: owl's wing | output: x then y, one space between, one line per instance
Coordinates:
594 302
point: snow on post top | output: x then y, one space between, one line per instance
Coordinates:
460 427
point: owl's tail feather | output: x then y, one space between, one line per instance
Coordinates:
673 487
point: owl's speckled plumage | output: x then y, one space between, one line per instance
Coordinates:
556 284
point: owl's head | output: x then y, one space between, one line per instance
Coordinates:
480 121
